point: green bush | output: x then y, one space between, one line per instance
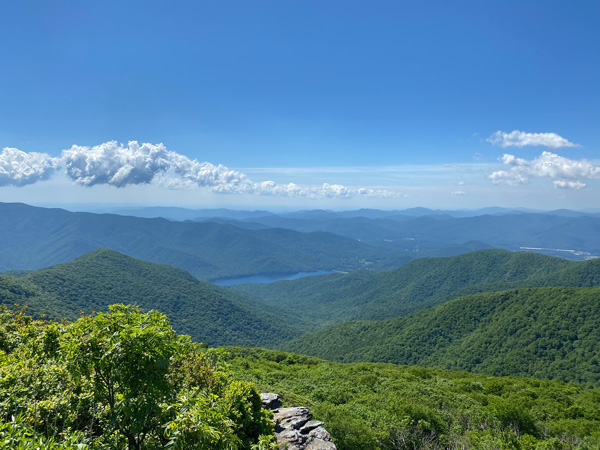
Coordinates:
123 379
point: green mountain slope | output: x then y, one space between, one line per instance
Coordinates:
206 312
32 238
540 332
367 295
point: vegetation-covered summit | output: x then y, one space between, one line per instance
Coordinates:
208 313
382 406
125 380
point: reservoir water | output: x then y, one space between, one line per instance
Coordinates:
267 278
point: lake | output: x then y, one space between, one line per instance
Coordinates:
267 278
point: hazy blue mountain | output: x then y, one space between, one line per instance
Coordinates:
369 213
575 236
176 213
454 250
33 237
361 228
238 223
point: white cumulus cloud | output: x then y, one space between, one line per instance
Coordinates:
566 173
521 139
18 168
114 164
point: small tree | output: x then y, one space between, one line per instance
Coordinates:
125 355
154 389
122 379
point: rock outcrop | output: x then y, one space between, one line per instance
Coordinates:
294 427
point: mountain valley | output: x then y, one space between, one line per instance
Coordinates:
487 347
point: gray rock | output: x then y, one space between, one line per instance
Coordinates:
270 400
293 418
311 425
295 430
319 444
319 433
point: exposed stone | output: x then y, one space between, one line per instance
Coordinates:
294 428
270 400
312 424
292 418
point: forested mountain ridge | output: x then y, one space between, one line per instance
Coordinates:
422 283
208 313
550 332
32 238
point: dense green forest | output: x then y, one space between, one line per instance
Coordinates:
489 333
540 332
208 313
368 295
120 380
125 380
382 406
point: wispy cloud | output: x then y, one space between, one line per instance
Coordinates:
117 165
565 173
521 139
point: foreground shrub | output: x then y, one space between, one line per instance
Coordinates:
122 379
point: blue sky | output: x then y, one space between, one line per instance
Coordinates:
296 104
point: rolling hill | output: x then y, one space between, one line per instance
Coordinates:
541 332
206 312
422 283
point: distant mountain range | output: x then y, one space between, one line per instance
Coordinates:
178 213
245 243
31 238
567 235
